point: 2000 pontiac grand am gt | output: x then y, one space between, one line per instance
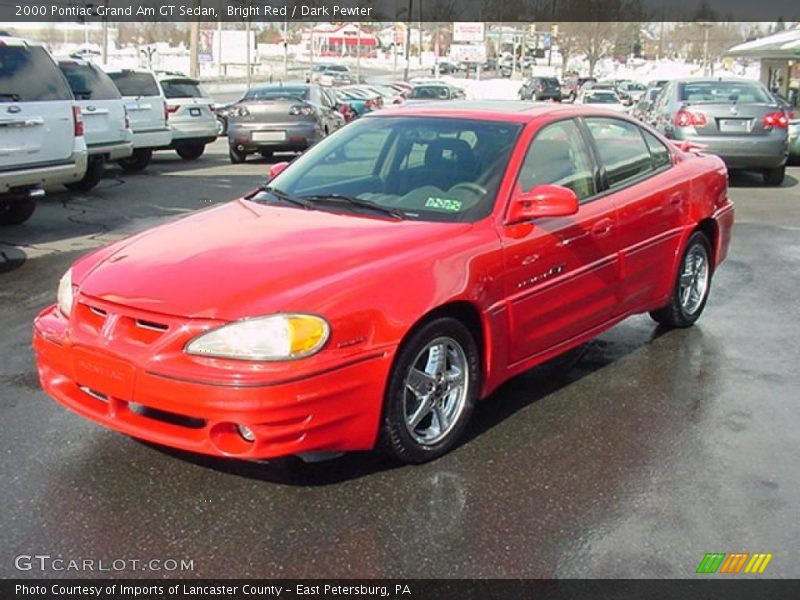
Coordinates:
370 293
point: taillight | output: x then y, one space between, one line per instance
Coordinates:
127 117
370 104
166 113
301 109
212 108
776 119
173 108
685 118
77 119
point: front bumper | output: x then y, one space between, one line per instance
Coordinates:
332 410
296 136
744 152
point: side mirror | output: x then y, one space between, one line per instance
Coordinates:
277 169
542 201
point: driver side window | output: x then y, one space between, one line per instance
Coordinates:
558 155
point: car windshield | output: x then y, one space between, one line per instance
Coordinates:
423 168
181 88
723 91
601 98
277 93
428 92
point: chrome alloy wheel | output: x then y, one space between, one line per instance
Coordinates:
694 279
436 389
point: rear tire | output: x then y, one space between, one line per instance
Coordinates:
692 285
236 156
775 176
137 161
14 212
190 151
94 173
432 389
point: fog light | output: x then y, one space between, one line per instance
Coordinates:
246 433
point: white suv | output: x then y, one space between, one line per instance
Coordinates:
191 115
107 131
147 112
41 128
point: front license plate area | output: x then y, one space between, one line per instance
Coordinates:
104 374
269 136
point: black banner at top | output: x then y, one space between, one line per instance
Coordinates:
398 10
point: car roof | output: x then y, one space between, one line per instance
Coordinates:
78 60
515 111
17 41
134 70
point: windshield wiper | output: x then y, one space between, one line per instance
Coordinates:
288 198
357 202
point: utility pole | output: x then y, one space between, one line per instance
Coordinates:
358 53
247 55
219 49
420 34
408 38
194 38
105 35
706 25
286 50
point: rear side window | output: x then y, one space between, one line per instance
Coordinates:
558 155
88 82
130 83
658 150
621 149
28 74
181 88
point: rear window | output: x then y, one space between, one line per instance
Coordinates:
722 91
28 74
550 82
277 93
130 83
428 92
181 88
88 82
601 98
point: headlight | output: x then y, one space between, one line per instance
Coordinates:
277 337
65 293
240 111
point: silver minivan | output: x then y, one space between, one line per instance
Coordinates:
106 127
41 128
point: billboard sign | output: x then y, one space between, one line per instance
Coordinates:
469 32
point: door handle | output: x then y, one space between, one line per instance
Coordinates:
603 227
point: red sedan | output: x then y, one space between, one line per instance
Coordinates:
396 273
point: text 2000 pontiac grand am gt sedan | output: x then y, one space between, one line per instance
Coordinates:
373 291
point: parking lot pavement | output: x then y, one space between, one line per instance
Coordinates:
631 456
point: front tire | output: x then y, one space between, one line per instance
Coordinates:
191 151
15 212
236 157
137 161
94 173
692 285
431 393
775 176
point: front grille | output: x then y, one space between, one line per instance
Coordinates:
104 322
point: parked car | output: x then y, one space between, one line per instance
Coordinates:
358 102
794 126
105 121
147 113
540 88
191 115
572 86
445 67
281 118
334 75
641 110
435 91
41 129
630 92
735 119
601 99
380 285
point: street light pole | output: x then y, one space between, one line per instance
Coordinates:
408 38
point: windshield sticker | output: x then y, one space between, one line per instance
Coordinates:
444 204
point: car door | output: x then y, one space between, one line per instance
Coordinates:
561 271
36 107
637 173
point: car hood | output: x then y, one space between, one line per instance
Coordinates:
244 258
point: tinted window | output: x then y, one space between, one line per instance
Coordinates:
277 93
428 92
722 91
558 155
600 97
28 74
621 149
658 150
130 83
181 88
88 82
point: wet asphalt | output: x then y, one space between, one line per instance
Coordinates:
631 456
